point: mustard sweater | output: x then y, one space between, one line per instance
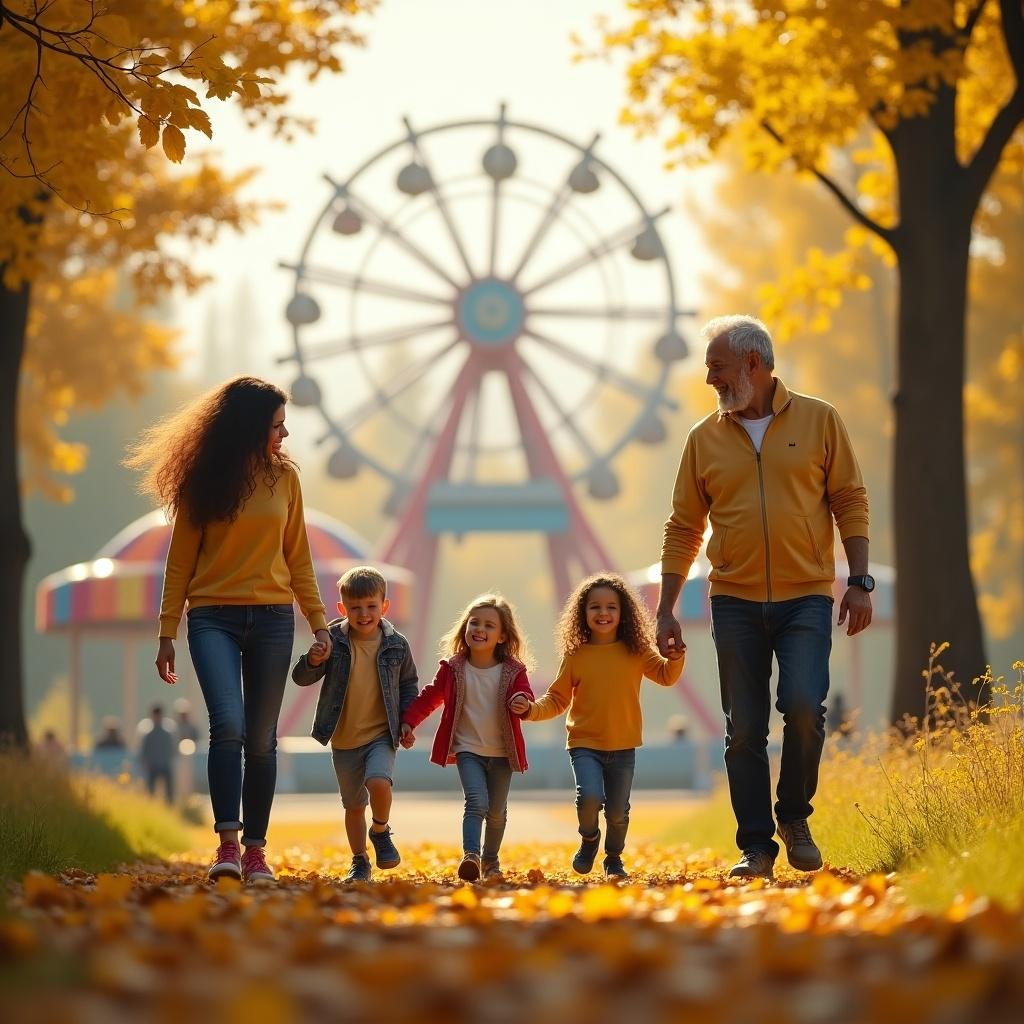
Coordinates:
261 557
771 513
600 686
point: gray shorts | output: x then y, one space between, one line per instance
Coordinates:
373 760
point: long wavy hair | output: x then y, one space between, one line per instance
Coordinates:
636 628
514 645
205 459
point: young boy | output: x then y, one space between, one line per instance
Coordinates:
369 681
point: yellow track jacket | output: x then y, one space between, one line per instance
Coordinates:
771 513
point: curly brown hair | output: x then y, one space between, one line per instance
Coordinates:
205 459
636 628
515 644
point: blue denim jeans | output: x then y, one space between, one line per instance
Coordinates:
242 654
486 782
603 778
747 634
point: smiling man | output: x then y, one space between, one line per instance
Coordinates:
771 469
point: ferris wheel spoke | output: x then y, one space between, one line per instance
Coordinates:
565 416
473 452
370 340
606 245
439 200
550 215
403 380
375 217
341 279
604 313
600 370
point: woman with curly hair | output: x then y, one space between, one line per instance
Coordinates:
606 641
239 555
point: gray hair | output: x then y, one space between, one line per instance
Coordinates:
745 334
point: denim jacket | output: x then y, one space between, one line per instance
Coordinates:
395 669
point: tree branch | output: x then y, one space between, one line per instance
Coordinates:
1012 14
887 234
986 159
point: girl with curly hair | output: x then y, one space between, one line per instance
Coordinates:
239 555
606 641
482 669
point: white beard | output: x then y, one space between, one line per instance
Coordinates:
738 397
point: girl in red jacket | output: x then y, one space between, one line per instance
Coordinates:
483 669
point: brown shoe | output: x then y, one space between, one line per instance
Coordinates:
801 850
469 869
492 871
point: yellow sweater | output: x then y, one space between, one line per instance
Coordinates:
600 685
771 513
262 557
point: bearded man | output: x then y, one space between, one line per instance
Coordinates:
771 469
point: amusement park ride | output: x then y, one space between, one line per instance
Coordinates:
502 313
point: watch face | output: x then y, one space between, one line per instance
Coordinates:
868 583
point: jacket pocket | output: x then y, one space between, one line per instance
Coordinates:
718 549
815 550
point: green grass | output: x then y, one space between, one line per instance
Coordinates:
50 821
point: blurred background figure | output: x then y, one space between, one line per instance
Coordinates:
678 728
187 728
158 745
838 720
51 748
111 737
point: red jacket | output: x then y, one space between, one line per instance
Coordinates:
449 688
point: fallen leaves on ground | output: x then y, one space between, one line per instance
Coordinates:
545 946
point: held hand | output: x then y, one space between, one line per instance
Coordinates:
408 739
318 653
323 637
165 661
670 637
519 704
856 604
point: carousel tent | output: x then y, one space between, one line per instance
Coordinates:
116 594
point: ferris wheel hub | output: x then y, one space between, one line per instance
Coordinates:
490 312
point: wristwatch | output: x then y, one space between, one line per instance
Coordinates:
865 582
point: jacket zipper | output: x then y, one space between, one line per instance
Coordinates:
764 501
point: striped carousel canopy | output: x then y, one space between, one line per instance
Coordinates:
694 604
121 585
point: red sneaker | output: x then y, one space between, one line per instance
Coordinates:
227 863
254 865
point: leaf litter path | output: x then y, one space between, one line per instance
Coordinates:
677 942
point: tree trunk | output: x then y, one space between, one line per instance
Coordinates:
14 543
935 595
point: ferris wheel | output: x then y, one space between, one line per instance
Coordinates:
484 315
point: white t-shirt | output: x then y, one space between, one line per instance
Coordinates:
756 428
478 729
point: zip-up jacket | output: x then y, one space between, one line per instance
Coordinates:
395 670
771 512
449 688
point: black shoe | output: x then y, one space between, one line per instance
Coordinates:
753 864
583 862
491 870
384 849
360 870
613 867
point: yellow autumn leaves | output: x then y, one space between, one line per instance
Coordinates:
677 941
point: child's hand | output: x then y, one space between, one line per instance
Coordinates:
408 739
675 651
519 704
317 653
